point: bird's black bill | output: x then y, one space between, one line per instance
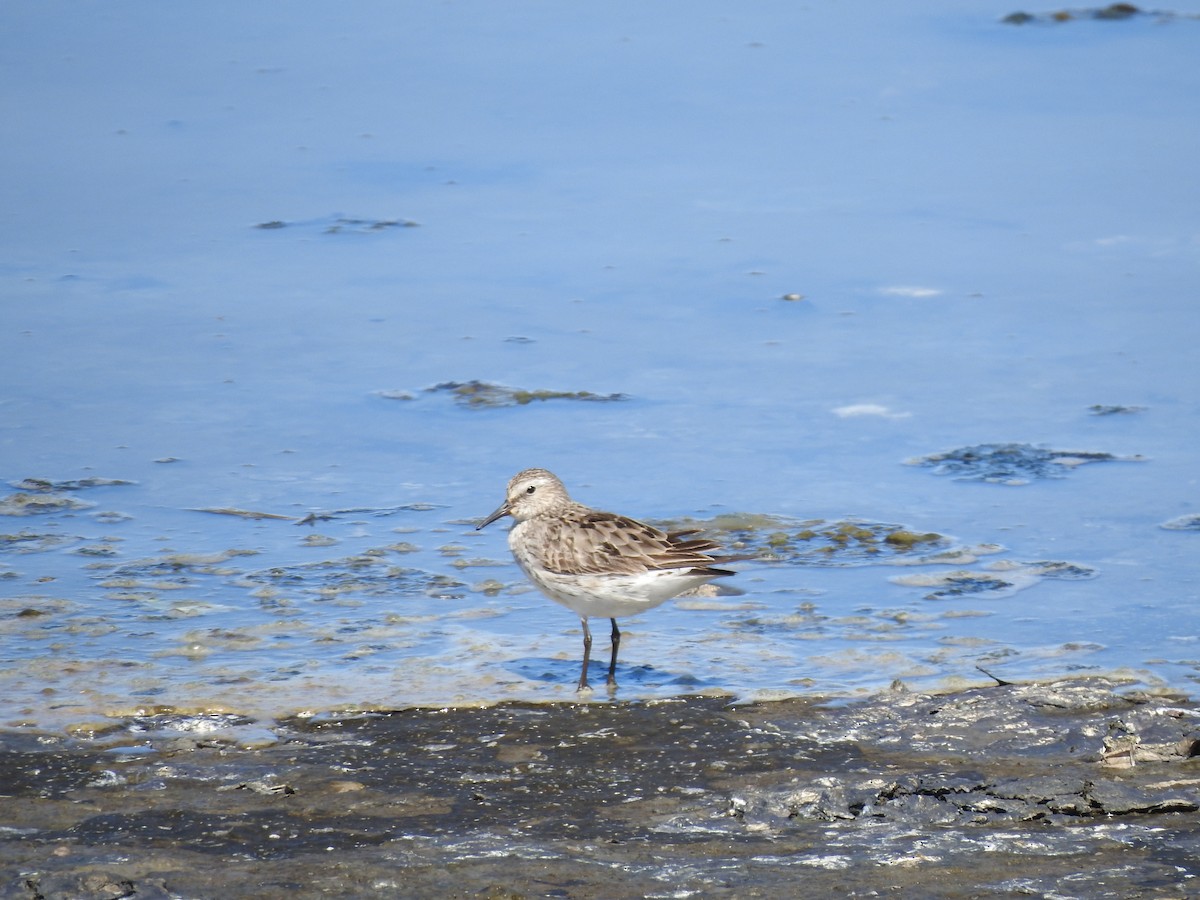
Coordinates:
498 514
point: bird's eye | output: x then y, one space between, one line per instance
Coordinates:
531 489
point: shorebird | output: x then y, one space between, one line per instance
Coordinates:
599 563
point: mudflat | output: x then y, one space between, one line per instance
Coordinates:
1079 788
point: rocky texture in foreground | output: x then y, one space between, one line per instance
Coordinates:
1067 789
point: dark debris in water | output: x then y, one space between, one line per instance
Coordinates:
1064 571
366 226
34 542
341 225
1005 790
47 485
1011 463
1114 12
242 513
483 395
962 584
311 518
315 516
1099 409
1183 523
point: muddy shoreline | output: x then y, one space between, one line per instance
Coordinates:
1076 788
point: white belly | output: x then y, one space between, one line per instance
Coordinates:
614 596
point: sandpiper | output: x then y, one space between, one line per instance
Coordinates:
599 563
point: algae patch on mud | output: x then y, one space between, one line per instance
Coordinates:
45 496
26 504
856 542
1000 579
27 541
817 542
367 574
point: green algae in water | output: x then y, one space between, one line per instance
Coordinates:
910 539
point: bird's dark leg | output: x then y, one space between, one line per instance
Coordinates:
587 655
616 642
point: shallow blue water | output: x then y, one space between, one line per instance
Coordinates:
992 228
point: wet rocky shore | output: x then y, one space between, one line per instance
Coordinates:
1077 788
